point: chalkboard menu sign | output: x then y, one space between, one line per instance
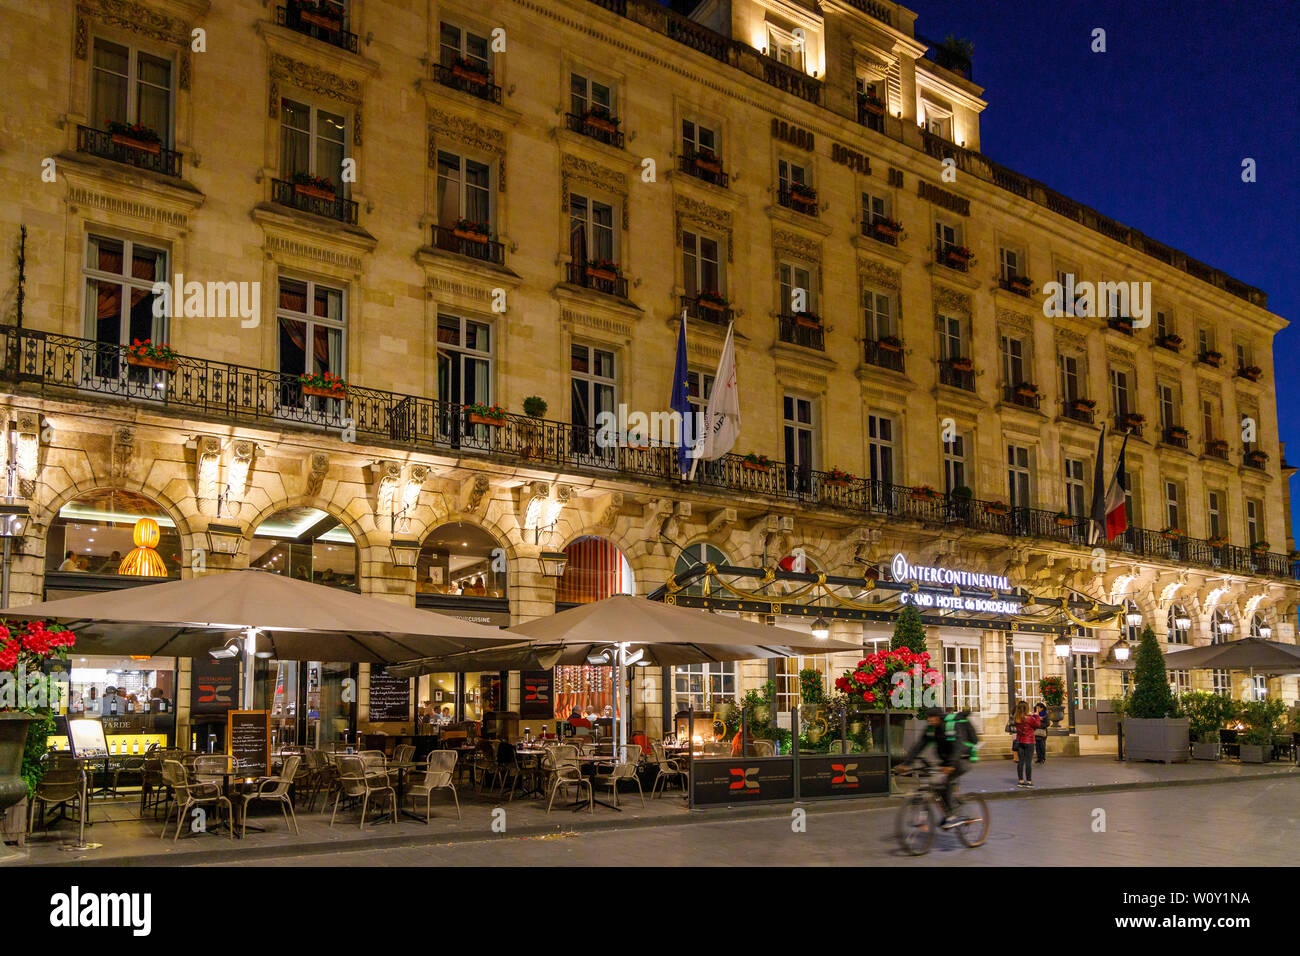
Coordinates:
536 697
248 735
390 697
214 686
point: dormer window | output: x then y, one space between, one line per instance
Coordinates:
784 47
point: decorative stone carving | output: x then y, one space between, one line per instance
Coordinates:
948 301
1014 319
796 245
123 451
609 516
446 126
878 274
1067 338
702 215
1116 354
576 171
135 18
477 492
207 469
317 466
389 474
313 79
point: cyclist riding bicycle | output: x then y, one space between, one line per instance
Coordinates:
956 743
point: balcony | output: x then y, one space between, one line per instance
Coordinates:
1131 422
882 229
1170 341
1175 435
603 128
316 202
705 308
1251 373
1254 458
800 198
1120 323
871 112
1081 410
705 166
75 369
1023 394
465 242
884 353
314 22
1016 285
804 330
1216 448
466 78
1210 357
957 373
873 9
953 256
791 80
123 149
607 281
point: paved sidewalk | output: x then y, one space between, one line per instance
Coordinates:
129 841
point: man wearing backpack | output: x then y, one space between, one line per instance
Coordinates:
956 744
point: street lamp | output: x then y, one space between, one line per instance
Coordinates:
553 563
1133 617
1265 631
224 538
1225 625
1062 646
820 629
1182 622
1121 650
405 552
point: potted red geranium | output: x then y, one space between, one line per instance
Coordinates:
601 119
323 385
707 160
135 135
481 414
473 72
1052 689
603 269
1211 357
890 343
711 301
872 682
470 230
753 462
147 355
838 478
32 693
318 187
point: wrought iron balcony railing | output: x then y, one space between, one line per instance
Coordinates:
705 167
67 368
121 149
324 28
800 200
332 207
473 245
957 374
883 353
707 310
1174 435
882 230
801 330
468 81
1078 411
603 129
601 280
1026 396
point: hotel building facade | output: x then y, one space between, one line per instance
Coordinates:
450 205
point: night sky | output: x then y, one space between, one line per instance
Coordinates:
1153 132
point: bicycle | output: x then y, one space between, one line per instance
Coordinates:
922 815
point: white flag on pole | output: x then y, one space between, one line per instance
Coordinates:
722 415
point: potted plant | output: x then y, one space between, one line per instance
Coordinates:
1250 372
704 158
838 477
890 343
954 53
1171 341
318 187
1216 446
955 255
1177 432
323 385
925 493
147 355
1170 533
1261 718
1084 404
884 226
1121 323
534 431
603 269
809 320
711 301
755 462
471 71
801 194
960 364
869 101
601 119
1052 689
480 414
470 230
1256 458
136 136
1026 390
27 649
995 507
1218 541
1206 713
1152 731
870 684
1259 546
1134 420
535 406
1064 520
322 15
962 493
1211 357
1020 283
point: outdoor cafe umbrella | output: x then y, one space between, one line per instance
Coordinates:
1252 654
293 620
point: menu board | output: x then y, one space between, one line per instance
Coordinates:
248 735
214 685
86 737
536 696
390 697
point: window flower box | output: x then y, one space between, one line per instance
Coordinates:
1218 541
960 364
603 269
315 186
147 355
323 385
1171 341
1251 373
1171 534
470 231
838 478
1256 458
925 493
884 226
1177 432
995 508
1211 358
471 72
325 21
756 463
494 416
808 320
957 256
1259 547
1064 520
871 103
707 161
600 121
1084 404
1027 390
890 343
1134 420
1216 446
1020 283
803 195
136 136
712 301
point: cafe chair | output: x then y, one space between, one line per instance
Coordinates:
485 765
374 760
402 753
212 768
624 770
836 747
437 774
509 769
275 789
357 781
564 776
669 769
192 794
59 788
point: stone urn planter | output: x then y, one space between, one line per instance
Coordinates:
1056 714
1210 751
1164 739
1256 753
13 740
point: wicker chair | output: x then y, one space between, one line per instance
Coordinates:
355 780
275 789
192 794
764 748
624 770
437 774
212 768
485 765
59 788
562 776
668 769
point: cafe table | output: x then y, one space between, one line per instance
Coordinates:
402 770
593 761
235 783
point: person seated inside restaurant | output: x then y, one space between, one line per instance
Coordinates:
111 564
157 702
70 562
577 720
444 717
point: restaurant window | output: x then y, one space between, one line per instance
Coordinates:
593 220
701 264
1076 500
596 570
1221 683
789 687
464 360
133 697
1085 680
311 320
1180 680
120 303
455 44
698 555
131 86
1029 670
1173 633
313 142
463 560
1019 476
954 463
307 544
95 533
464 190
447 697
699 686
961 675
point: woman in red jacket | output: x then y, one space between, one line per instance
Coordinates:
1025 724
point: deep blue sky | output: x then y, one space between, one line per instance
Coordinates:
1152 133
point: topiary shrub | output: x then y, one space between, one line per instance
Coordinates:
909 632
1151 698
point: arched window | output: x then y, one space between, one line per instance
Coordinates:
461 559
596 570
97 533
1221 626
1259 626
698 555
308 544
1178 625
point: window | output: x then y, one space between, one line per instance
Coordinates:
797 289
874 208
951 337
937 119
961 675
1119 391
464 361
946 235
1076 501
789 686
589 96
695 686
594 221
1072 378
1029 670
1221 683
878 309
880 448
1254 521
1205 339
1013 361
464 190
1018 476
699 386
701 264
698 555
1259 687
131 86
1180 680
311 320
1214 513
1245 354
954 463
799 434
1221 627
1011 263
1133 497
1173 633
1257 623
1165 325
785 47
312 141
1209 419
1168 398
1173 504
697 138
1085 680
591 376
120 275
457 44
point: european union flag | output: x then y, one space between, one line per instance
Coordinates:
680 400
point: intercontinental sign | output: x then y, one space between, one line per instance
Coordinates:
900 570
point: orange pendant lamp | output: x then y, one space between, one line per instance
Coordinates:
144 561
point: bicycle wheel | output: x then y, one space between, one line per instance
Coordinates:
917 821
976 830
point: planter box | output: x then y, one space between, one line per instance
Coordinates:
1212 360
13 824
601 274
1065 522
960 366
1207 751
1256 753
873 106
754 466
711 306
836 482
599 122
324 392
144 361
140 144
469 236
321 20
805 201
476 419
807 323
885 346
1164 739
709 165
314 191
472 76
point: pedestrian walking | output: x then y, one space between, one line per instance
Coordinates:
1023 724
1040 735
